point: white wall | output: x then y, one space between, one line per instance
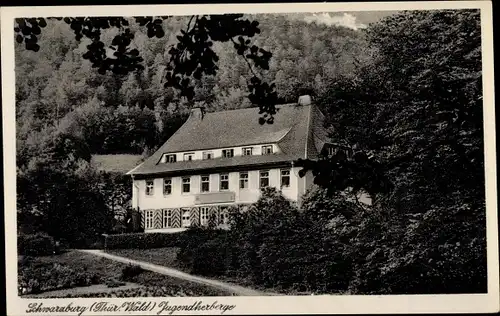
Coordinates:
179 199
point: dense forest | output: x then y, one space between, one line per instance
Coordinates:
404 93
58 90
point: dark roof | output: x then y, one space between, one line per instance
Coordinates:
318 135
115 163
292 130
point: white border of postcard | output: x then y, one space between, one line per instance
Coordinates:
321 304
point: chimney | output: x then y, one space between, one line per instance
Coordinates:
305 100
197 113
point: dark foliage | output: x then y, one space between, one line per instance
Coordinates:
274 245
69 207
344 171
135 113
131 271
335 244
36 277
205 251
35 245
143 240
191 58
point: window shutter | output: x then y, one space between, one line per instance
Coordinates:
176 218
195 216
158 219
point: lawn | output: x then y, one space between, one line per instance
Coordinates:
167 257
161 256
76 274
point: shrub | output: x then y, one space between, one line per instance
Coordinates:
439 251
35 245
75 211
35 276
271 215
209 253
276 245
131 271
114 283
193 248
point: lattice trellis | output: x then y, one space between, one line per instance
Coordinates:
176 218
195 216
158 219
143 215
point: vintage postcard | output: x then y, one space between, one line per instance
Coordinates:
250 159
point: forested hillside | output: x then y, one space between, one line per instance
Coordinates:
58 90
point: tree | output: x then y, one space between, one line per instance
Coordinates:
56 186
420 119
192 57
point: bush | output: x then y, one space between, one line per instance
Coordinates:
75 211
275 245
131 271
35 245
440 251
206 252
271 216
36 277
142 240
114 283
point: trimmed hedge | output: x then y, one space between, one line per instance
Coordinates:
141 240
206 252
158 240
35 245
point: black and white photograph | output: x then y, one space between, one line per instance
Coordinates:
167 154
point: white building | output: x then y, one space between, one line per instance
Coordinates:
220 159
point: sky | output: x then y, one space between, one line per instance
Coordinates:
354 19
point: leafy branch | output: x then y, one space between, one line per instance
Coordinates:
340 172
191 58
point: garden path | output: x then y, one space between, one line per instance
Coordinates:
236 289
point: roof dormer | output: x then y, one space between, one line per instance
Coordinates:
331 149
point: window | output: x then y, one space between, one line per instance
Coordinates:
148 219
186 218
224 215
285 178
167 186
167 218
227 153
331 151
186 185
205 183
208 155
267 150
243 180
247 151
204 216
224 182
150 187
264 179
169 158
188 156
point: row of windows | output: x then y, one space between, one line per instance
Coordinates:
333 150
226 153
186 217
223 182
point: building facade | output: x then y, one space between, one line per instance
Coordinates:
222 159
